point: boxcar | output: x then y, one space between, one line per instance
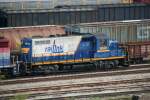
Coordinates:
122 31
15 34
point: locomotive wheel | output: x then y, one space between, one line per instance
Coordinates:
139 60
124 63
108 65
71 67
116 63
61 67
111 64
101 65
96 64
104 65
53 68
22 70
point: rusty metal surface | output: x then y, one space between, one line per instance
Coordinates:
142 1
138 49
14 35
4 43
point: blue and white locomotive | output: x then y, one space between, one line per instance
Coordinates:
56 52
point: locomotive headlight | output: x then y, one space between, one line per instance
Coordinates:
25 50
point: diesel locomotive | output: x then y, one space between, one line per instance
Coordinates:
55 52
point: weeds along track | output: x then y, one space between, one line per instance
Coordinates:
143 68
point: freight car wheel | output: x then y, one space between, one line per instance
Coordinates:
8 72
139 60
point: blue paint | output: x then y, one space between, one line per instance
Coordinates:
87 48
54 48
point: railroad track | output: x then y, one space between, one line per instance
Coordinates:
58 91
62 90
144 68
114 82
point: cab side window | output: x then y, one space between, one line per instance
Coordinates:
103 42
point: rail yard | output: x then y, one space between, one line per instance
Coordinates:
74 49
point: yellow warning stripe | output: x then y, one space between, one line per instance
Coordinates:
103 50
77 60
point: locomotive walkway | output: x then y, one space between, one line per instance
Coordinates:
127 80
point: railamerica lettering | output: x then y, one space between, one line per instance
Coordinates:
54 48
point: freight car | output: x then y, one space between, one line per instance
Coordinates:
137 51
15 34
53 53
4 53
142 1
3 19
79 14
48 4
5 61
123 31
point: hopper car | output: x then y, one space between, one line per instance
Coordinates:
74 14
54 53
142 1
49 4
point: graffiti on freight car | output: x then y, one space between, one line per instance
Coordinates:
54 48
143 32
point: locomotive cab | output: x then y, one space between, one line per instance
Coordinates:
109 54
108 48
